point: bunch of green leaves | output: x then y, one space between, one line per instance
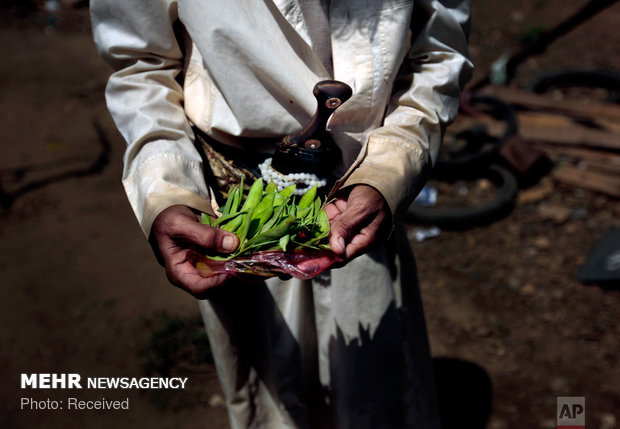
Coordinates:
266 219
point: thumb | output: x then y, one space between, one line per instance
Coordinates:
210 238
342 229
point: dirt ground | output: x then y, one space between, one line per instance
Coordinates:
83 294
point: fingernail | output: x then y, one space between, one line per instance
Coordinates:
228 243
341 243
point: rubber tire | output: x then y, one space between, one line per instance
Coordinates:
603 79
467 217
463 165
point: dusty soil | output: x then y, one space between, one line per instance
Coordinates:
83 294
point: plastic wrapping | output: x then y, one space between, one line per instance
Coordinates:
301 263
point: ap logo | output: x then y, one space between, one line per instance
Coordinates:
571 412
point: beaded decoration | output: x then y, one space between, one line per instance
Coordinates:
284 180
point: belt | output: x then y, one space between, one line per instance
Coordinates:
225 166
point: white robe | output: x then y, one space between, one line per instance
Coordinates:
345 350
349 348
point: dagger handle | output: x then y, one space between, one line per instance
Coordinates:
329 94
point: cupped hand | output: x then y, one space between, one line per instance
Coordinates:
359 221
177 231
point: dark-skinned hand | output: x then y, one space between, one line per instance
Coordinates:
177 232
360 221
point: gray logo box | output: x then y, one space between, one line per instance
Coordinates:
571 411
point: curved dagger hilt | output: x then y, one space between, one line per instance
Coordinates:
312 150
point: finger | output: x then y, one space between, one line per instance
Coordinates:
203 288
341 204
182 273
180 223
315 266
360 242
332 211
178 232
342 230
354 231
208 237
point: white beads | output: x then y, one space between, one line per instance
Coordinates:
284 180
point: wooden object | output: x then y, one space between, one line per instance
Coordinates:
531 101
585 179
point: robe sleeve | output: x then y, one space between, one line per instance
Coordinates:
161 165
398 156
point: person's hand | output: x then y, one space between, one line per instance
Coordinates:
177 231
359 222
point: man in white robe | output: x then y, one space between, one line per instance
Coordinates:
347 349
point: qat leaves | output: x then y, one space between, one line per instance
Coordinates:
266 219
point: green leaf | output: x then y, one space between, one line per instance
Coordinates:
233 224
323 222
317 207
284 242
205 219
219 257
275 218
225 218
261 215
287 192
308 198
254 195
275 233
301 213
305 245
226 209
237 196
245 226
271 188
